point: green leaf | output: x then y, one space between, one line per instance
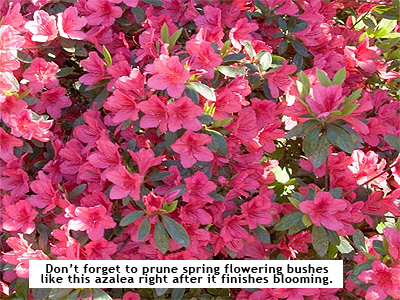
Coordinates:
234 57
336 192
347 110
24 57
177 294
138 14
262 234
333 237
161 238
353 97
63 72
158 176
144 229
58 293
301 129
99 294
165 33
393 141
203 90
310 141
249 49
320 240
344 246
221 123
170 207
366 265
107 56
299 48
340 138
176 231
358 239
321 152
160 291
288 221
130 218
231 71
77 191
219 140
266 61
283 45
339 77
174 38
154 2
323 78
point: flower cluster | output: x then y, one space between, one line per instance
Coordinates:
183 129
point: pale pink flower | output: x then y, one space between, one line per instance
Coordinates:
70 24
41 73
43 27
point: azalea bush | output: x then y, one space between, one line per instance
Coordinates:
195 129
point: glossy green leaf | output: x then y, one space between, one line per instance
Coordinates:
288 221
161 238
144 229
77 191
203 90
130 218
320 240
339 77
321 152
323 78
176 231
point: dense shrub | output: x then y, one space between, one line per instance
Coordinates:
194 129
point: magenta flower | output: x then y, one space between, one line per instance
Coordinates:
7 144
325 100
257 211
125 183
325 211
191 148
385 281
279 79
20 216
242 32
99 250
362 56
96 68
156 114
168 74
198 188
53 101
233 229
43 27
93 220
145 159
182 114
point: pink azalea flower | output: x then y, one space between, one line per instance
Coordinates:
385 281
99 250
107 155
324 100
362 56
41 74
242 32
325 211
168 74
103 12
47 196
93 220
257 211
53 101
70 25
392 237
20 216
211 21
21 254
43 27
198 188
145 159
96 68
124 101
156 114
203 54
279 79
7 144
233 230
191 148
13 178
195 214
125 183
153 203
72 157
68 247
10 42
182 114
